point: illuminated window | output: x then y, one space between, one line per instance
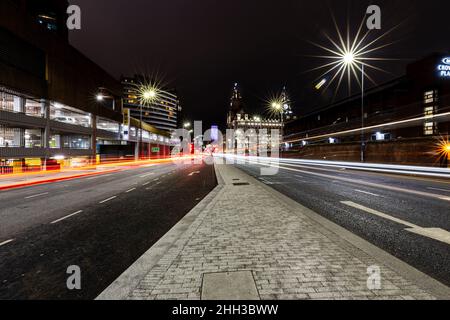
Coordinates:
429 128
431 96
429 111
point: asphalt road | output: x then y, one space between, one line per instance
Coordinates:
102 224
380 208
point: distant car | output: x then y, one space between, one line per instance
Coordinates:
69 120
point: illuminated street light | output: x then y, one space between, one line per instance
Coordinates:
346 57
100 97
147 95
187 125
443 149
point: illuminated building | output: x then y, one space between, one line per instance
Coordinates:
402 118
162 113
49 114
241 122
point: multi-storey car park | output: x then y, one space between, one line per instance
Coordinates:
50 113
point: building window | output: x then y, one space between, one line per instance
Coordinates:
430 101
11 103
55 141
429 111
33 138
76 142
10 137
64 114
429 128
108 125
34 108
431 97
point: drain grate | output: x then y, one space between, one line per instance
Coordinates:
241 184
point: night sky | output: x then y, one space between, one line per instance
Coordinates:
202 47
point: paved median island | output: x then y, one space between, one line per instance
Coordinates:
247 241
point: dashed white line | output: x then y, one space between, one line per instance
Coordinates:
100 176
6 242
67 217
92 178
131 190
157 179
146 184
37 195
369 193
106 200
147 174
362 182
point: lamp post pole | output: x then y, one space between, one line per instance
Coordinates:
363 143
140 135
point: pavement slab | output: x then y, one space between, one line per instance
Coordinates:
246 227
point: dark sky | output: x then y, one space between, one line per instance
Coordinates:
202 47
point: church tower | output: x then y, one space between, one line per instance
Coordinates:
236 106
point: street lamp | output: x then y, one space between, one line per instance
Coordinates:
277 107
350 61
346 56
147 94
187 125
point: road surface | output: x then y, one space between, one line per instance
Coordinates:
101 224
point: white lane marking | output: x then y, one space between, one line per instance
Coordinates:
192 173
106 200
100 176
439 189
361 182
6 242
131 190
369 193
67 217
432 233
159 182
157 179
37 195
147 174
146 184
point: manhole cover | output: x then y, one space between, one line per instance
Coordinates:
229 286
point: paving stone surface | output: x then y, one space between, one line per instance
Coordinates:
246 228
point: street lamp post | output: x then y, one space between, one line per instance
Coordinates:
148 95
350 60
278 107
363 143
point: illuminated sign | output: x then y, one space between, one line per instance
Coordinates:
444 68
